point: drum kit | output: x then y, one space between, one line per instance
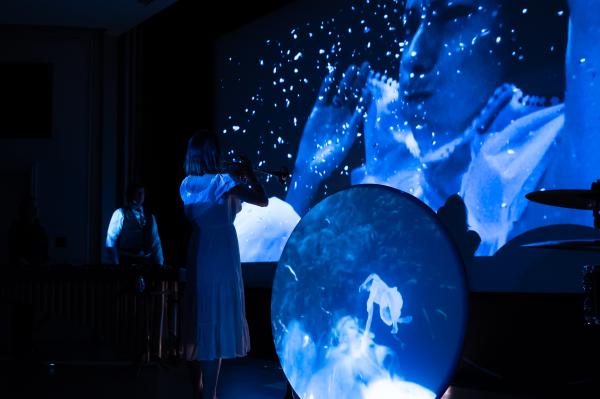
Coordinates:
585 200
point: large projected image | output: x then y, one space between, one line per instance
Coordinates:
475 97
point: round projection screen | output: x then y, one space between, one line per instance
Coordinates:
369 299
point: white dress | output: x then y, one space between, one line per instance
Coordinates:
214 324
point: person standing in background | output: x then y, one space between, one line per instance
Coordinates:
132 236
27 238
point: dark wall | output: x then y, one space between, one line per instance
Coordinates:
69 169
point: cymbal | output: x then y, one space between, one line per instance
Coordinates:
574 199
588 245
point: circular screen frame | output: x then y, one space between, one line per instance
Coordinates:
307 355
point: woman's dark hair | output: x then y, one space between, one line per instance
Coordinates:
203 154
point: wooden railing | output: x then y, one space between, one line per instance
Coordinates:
125 313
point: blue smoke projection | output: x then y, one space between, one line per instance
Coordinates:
369 299
476 97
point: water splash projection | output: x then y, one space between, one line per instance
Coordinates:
389 301
369 299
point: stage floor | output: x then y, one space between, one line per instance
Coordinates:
248 378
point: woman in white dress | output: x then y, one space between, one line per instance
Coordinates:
215 324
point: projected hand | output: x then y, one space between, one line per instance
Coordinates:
329 133
391 152
385 131
383 116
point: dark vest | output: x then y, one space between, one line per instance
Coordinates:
136 235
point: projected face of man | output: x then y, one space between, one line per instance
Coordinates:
450 65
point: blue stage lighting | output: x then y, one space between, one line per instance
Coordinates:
369 299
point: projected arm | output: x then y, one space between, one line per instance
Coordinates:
328 134
383 119
391 151
582 99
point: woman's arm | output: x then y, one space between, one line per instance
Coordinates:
253 192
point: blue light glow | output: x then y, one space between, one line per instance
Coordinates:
480 99
369 299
